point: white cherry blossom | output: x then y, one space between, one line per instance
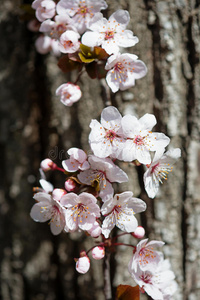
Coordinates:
69 92
120 211
77 160
48 209
82 211
110 34
101 174
158 170
44 44
45 9
69 42
157 282
81 11
106 138
124 69
145 256
140 140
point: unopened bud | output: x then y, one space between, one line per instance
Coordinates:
46 164
98 252
139 232
70 185
83 264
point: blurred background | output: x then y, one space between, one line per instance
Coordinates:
34 124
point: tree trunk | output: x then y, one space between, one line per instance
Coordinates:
35 125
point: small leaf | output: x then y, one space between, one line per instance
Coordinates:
127 292
85 59
100 53
96 70
68 65
88 55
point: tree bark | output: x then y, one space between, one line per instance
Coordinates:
34 125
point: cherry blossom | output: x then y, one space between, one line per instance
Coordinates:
95 231
45 9
58 193
77 160
124 69
145 256
82 211
106 138
56 28
44 44
111 33
69 42
156 282
83 264
46 209
69 92
80 11
158 170
140 139
120 211
98 252
101 174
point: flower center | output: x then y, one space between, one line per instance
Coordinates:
83 10
154 168
146 254
138 140
119 67
146 277
110 135
109 34
68 44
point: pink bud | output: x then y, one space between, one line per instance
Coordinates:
58 193
98 252
46 164
83 264
70 185
139 232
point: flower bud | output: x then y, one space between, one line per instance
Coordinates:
98 252
58 193
70 185
139 232
83 264
46 164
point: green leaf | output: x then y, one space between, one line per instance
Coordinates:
127 292
88 55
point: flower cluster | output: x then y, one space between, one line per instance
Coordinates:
87 202
78 31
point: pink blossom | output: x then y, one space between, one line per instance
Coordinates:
120 211
82 211
69 42
139 138
158 283
124 69
33 25
106 138
110 34
158 170
77 160
46 209
145 257
69 92
98 252
44 44
45 9
56 28
80 11
83 264
101 174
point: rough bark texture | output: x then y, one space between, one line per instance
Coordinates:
34 124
